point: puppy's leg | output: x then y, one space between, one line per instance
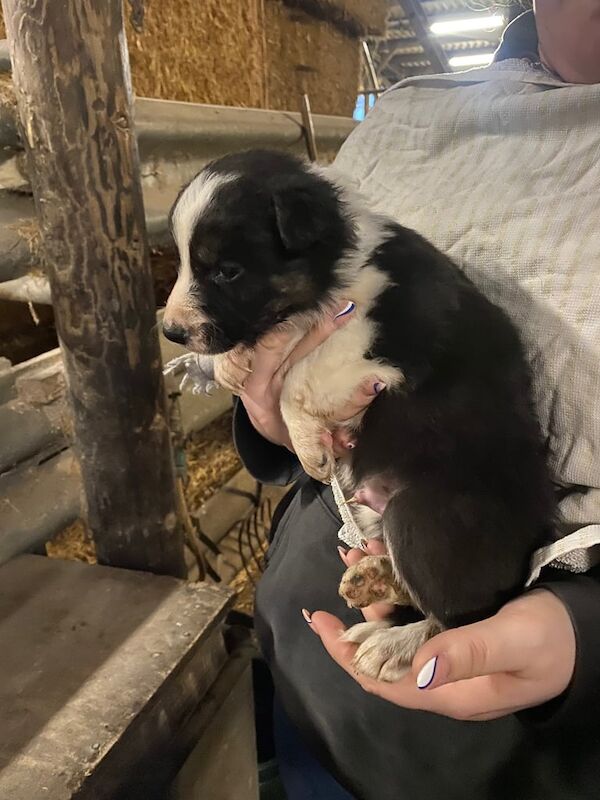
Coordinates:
462 554
371 580
232 368
386 653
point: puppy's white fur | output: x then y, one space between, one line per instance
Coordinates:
180 310
324 381
386 652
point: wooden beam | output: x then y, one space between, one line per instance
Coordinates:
71 74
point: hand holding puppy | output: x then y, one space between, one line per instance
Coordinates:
272 358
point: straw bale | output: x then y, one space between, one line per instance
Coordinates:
307 56
355 18
202 52
256 53
370 14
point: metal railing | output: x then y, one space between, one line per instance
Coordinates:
175 141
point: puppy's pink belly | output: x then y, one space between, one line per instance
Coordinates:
376 497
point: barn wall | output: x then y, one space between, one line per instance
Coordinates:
253 53
305 55
203 52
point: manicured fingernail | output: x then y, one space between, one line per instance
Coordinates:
427 674
306 615
350 446
379 387
364 545
348 309
342 551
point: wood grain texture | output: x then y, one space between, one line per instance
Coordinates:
71 76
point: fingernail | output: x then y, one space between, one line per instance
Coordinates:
306 615
348 309
350 446
364 545
427 674
342 551
379 387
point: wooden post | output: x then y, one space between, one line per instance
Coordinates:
72 81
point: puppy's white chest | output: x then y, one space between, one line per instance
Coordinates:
323 382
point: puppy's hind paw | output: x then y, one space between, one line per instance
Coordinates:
371 580
387 654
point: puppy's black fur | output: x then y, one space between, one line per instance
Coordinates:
265 248
458 445
461 440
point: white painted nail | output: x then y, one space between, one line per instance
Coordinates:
307 616
348 309
427 673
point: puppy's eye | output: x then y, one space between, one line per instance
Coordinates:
227 272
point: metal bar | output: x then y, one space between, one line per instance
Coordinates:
28 289
34 413
309 128
370 66
4 56
219 129
176 140
28 433
160 124
38 502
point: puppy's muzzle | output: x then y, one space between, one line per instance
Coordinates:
175 333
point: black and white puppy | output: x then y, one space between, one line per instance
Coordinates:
449 458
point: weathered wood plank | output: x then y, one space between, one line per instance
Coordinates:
71 76
101 666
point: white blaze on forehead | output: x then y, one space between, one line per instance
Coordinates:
194 201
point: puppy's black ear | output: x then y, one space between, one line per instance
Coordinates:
299 215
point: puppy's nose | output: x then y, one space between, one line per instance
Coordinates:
175 333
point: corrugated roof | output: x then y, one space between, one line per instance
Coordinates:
408 46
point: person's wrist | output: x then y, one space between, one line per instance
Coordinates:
274 431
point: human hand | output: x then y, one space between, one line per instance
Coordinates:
274 355
521 657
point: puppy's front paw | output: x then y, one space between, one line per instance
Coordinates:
317 462
371 580
387 654
233 368
198 372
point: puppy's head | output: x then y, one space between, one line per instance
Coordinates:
259 237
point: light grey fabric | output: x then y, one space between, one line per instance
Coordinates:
500 168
